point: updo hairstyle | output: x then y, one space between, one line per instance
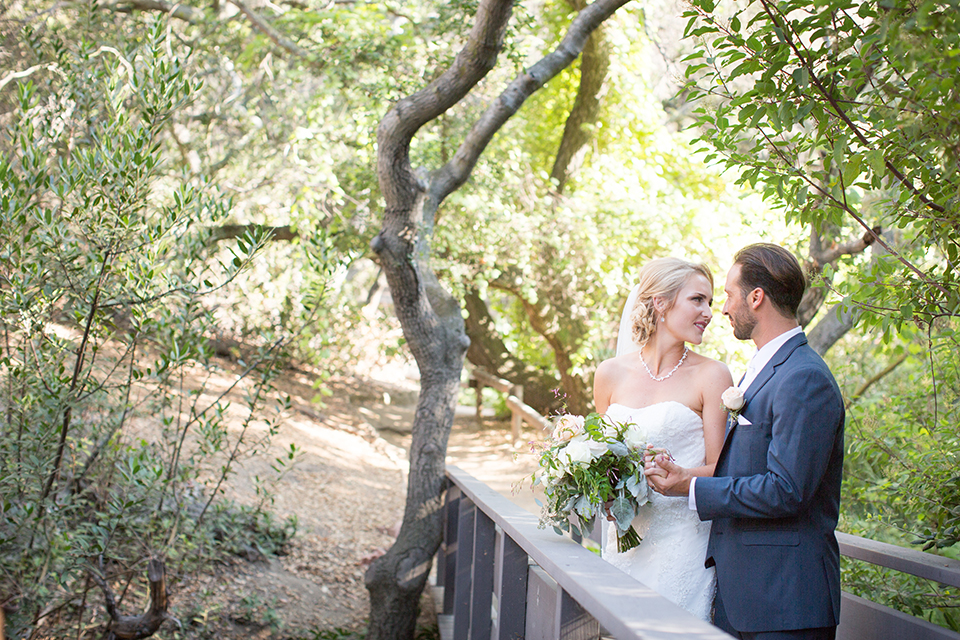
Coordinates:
661 278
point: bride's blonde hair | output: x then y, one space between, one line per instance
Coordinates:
661 278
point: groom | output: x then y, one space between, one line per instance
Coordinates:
774 498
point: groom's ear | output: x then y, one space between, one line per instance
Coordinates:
756 297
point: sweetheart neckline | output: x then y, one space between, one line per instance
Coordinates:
655 404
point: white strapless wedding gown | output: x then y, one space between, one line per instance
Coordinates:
670 558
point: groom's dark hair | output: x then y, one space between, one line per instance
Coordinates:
775 270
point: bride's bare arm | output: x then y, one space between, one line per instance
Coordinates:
713 381
602 386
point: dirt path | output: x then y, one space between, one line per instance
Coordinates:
347 492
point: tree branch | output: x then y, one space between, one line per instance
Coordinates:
406 117
850 248
267 29
831 328
455 173
577 132
180 11
874 379
145 625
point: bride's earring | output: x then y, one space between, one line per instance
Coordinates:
661 317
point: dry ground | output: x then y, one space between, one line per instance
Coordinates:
347 491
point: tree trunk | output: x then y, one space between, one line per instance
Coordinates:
488 352
545 320
429 316
821 254
831 328
578 132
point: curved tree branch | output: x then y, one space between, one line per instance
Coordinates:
267 29
831 328
401 123
177 10
455 173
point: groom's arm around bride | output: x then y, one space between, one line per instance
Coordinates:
774 499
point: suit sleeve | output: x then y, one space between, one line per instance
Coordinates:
807 421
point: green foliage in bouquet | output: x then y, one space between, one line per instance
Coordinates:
591 465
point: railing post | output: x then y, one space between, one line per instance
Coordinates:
484 540
464 573
511 566
516 418
573 622
477 384
449 573
542 609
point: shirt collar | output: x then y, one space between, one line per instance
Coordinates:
764 354
767 351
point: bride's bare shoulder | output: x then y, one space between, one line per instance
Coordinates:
709 367
714 369
612 366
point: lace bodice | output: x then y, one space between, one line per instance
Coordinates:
670 558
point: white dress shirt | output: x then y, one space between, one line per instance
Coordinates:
757 362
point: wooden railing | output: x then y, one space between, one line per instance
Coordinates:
500 577
861 618
519 412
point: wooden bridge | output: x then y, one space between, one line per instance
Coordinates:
500 577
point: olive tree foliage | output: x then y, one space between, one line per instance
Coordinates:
430 316
844 113
113 446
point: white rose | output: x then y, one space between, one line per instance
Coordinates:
732 399
577 451
634 437
567 427
597 449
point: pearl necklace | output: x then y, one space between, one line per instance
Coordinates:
672 371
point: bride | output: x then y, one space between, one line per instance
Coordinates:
657 382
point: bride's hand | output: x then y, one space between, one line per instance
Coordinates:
652 453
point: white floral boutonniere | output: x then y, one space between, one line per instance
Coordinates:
733 401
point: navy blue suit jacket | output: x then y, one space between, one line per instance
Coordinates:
775 498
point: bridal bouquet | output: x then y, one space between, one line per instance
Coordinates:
589 463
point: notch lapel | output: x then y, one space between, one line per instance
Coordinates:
770 368
762 378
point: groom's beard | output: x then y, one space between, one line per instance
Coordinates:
743 323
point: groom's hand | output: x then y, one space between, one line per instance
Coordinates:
667 477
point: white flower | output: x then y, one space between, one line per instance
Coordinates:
597 448
634 437
732 399
610 431
567 427
576 451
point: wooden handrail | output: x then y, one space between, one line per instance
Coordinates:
519 412
924 565
620 605
568 593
